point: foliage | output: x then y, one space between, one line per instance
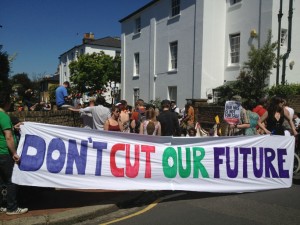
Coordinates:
93 71
51 92
251 83
22 82
156 102
4 68
284 91
227 91
256 71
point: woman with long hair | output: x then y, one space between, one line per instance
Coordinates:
150 126
274 117
114 123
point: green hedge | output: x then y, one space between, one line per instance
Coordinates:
285 91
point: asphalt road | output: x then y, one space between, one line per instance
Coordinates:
273 207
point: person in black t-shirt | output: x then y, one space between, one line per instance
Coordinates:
168 120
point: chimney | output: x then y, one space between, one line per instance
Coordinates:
88 37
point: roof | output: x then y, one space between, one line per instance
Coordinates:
139 10
113 42
106 41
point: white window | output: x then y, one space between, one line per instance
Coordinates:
136 64
235 48
136 94
137 25
232 2
172 93
175 7
283 37
173 55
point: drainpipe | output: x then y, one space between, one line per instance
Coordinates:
286 55
193 83
278 42
259 25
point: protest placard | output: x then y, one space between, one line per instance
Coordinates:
232 112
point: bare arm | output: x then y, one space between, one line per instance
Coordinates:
141 129
159 129
106 125
289 119
260 123
11 144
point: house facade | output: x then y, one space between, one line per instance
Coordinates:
109 45
183 49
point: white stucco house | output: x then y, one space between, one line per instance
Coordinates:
183 49
109 45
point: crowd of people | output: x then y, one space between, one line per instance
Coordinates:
143 118
269 116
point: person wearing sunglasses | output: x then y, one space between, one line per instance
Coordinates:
114 123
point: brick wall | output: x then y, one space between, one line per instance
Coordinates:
204 113
58 117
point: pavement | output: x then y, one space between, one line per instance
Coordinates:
54 206
63 207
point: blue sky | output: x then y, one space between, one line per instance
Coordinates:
38 31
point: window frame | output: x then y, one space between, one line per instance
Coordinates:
175 7
136 64
172 92
136 94
235 48
137 23
173 51
233 2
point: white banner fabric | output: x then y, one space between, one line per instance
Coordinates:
78 158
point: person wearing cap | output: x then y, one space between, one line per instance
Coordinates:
62 97
168 120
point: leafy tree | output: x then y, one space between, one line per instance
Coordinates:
251 83
4 68
21 82
252 80
93 71
51 91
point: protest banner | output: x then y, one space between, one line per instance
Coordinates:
232 112
78 158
